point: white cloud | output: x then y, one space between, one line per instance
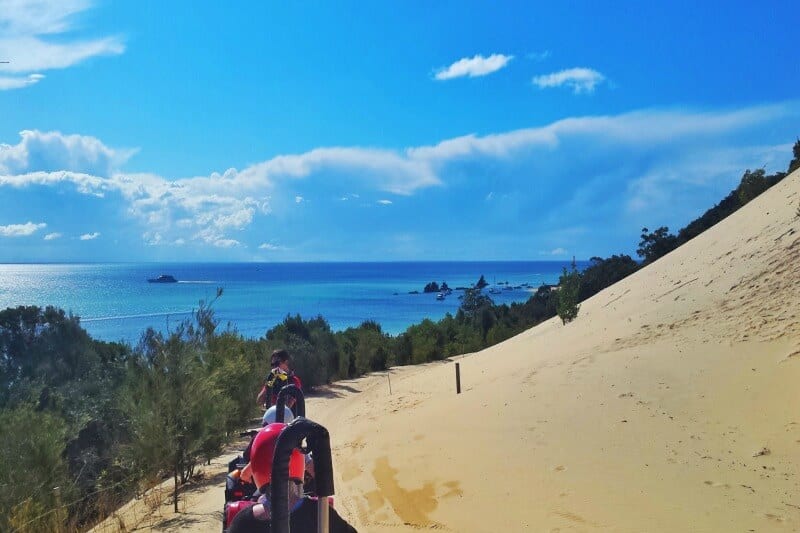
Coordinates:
581 80
226 243
269 246
539 56
52 236
152 238
711 167
473 66
21 230
207 209
37 35
53 151
385 202
298 199
17 82
554 252
89 236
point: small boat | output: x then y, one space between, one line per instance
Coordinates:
440 296
163 278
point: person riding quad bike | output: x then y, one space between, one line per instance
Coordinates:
280 375
303 511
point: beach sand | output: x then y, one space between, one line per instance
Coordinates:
671 404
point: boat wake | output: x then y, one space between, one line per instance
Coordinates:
142 315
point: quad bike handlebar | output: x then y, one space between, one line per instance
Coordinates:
318 441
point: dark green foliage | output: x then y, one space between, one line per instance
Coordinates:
602 273
569 286
656 244
33 474
312 345
752 184
178 413
481 283
795 163
45 356
477 310
400 350
427 342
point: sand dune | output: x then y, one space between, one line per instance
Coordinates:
670 404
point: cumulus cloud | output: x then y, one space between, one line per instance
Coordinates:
40 154
385 202
214 208
21 230
298 199
52 236
269 246
89 236
37 36
581 80
473 67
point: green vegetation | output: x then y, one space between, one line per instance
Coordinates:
87 424
569 287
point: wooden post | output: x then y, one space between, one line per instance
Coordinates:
388 374
458 379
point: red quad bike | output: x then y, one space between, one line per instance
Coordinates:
239 493
318 442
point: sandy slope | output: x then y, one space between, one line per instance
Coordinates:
671 404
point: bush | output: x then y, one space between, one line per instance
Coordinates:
569 286
33 474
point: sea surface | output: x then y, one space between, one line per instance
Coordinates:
115 301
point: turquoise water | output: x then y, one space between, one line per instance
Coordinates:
115 301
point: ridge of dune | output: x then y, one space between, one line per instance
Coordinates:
670 404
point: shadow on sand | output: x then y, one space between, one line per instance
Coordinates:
334 390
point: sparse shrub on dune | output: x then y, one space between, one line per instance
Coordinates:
569 286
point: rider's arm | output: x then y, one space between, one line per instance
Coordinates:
262 396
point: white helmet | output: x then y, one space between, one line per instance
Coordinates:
269 416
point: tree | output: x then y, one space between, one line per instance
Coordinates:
656 244
752 184
176 410
33 473
569 286
795 163
481 283
426 342
602 273
477 308
312 346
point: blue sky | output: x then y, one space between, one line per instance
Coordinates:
294 131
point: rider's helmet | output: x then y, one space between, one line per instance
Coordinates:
271 414
261 456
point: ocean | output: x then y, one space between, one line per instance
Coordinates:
115 301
